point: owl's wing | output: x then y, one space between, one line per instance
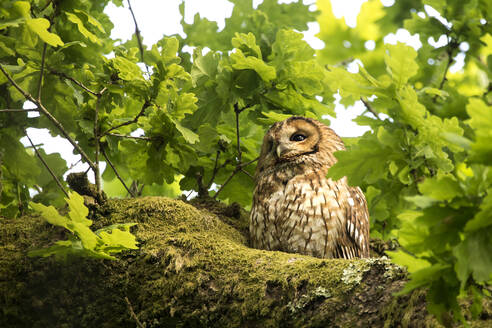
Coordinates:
354 238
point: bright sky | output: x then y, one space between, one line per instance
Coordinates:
157 18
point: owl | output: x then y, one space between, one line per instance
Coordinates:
296 208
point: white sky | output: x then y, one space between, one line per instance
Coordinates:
161 17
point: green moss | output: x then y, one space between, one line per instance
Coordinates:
192 269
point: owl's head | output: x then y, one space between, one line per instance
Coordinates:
298 140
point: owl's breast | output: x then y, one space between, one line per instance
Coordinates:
298 213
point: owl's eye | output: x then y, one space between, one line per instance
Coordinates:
297 137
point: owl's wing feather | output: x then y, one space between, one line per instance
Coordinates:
354 240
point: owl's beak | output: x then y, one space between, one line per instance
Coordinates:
281 150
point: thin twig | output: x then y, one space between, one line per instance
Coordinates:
46 165
80 84
116 172
139 37
247 173
97 174
249 162
448 65
132 313
18 110
369 108
239 164
50 117
46 5
74 164
97 146
129 137
236 170
41 73
238 111
1 172
134 120
214 172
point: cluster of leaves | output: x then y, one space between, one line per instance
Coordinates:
166 121
83 241
426 167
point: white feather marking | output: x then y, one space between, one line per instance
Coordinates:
351 227
351 201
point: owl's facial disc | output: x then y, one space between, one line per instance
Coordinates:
298 138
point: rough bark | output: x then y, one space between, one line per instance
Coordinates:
193 269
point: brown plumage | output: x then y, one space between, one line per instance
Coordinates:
296 208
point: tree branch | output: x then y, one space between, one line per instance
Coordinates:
369 108
214 172
236 170
134 120
80 84
8 110
132 313
42 109
449 51
97 146
239 164
129 137
41 73
139 37
238 111
46 165
116 172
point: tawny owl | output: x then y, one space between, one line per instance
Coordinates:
296 208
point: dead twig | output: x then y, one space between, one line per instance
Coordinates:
239 165
80 84
129 137
369 108
132 313
38 154
8 110
134 120
41 72
139 37
103 152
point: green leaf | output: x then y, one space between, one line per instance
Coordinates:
91 20
86 242
444 187
190 136
40 27
82 29
473 257
127 70
481 123
423 277
119 239
400 63
484 217
365 162
51 215
412 263
78 211
272 117
240 61
247 44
